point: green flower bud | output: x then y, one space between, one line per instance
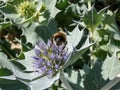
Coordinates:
26 9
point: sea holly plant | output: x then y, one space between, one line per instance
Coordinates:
46 62
31 58
26 11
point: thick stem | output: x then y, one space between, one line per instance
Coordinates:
91 49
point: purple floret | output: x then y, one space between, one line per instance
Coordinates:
49 57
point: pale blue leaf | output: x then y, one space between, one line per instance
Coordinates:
11 77
74 38
27 62
43 83
75 79
75 55
22 75
65 82
110 46
40 31
4 61
111 25
111 67
39 6
50 5
40 82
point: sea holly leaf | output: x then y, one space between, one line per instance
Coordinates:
21 75
111 25
12 85
111 67
5 25
40 32
62 4
4 61
27 62
88 0
111 46
93 80
93 19
65 82
26 74
73 10
5 72
74 78
2 3
50 6
75 55
10 77
9 11
21 56
43 83
31 37
101 35
74 37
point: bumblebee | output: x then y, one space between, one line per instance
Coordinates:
59 38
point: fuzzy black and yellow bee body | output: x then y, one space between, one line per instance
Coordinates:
59 38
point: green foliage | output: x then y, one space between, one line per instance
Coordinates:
110 67
94 80
93 19
92 29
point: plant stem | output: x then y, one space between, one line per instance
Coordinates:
91 49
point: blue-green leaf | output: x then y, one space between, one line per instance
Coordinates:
65 82
111 67
111 25
74 38
27 62
11 77
40 32
50 5
43 83
93 19
4 61
93 80
75 79
77 53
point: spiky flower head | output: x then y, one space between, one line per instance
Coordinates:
26 9
49 58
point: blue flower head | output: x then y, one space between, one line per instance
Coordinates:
49 58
